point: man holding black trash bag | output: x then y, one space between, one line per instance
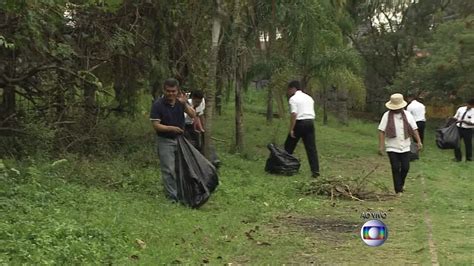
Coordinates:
465 123
167 117
302 125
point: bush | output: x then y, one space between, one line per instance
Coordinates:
111 135
32 137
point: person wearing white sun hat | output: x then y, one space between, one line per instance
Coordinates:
396 129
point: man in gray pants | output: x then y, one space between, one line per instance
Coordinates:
167 117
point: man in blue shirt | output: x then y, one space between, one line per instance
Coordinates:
167 117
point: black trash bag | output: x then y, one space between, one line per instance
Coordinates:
448 137
413 155
214 158
450 121
281 162
196 177
197 140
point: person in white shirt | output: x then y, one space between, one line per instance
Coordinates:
302 125
418 110
194 126
465 123
396 129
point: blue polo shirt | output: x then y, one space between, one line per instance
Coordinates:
169 115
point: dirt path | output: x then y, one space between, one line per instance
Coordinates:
429 225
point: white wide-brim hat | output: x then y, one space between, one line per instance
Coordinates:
396 102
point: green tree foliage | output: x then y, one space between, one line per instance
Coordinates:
71 64
443 65
322 54
389 34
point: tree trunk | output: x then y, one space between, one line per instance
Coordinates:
119 89
219 84
90 104
342 110
325 111
280 104
304 83
211 89
119 85
228 88
60 100
8 106
239 132
269 104
238 67
271 48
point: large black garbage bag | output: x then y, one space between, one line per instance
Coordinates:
281 162
447 137
196 177
197 139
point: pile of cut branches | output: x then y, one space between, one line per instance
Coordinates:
355 188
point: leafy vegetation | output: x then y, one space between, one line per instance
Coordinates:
442 64
111 209
79 175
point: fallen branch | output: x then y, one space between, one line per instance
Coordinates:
9 129
216 139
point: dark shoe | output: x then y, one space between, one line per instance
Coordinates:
456 160
216 163
315 174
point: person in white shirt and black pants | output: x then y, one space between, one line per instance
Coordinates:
302 125
465 122
396 129
418 111
193 127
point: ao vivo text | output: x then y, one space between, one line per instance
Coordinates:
378 215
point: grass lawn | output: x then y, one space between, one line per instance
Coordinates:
86 210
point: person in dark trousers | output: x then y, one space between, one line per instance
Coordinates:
396 129
195 127
302 125
418 111
167 117
465 123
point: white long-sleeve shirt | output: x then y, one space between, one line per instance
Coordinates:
469 117
418 110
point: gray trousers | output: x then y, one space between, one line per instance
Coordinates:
167 149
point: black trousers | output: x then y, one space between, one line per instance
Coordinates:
421 130
400 163
197 140
305 129
193 136
466 135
